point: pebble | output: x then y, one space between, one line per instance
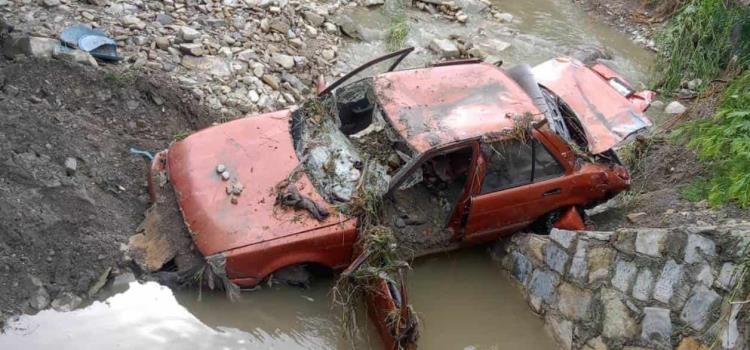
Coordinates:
71 165
225 175
188 34
221 168
675 107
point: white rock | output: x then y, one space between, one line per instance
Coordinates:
444 47
285 61
675 107
328 54
188 34
504 17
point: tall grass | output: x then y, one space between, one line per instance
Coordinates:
723 142
701 41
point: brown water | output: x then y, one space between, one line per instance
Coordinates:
464 300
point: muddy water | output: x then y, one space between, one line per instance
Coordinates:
466 302
540 30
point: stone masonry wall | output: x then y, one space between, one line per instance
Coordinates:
637 289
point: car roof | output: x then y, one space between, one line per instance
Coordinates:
434 106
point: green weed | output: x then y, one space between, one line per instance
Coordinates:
397 33
181 135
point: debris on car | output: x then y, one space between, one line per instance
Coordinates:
381 168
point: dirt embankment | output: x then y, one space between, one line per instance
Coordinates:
638 18
70 192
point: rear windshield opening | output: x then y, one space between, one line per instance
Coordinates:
355 105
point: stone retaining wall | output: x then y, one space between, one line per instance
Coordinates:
644 288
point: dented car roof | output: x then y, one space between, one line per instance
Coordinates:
430 107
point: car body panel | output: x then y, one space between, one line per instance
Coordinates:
432 106
606 116
258 154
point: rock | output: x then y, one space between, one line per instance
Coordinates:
573 302
624 275
600 259
188 34
579 266
213 65
563 237
30 46
279 24
225 175
444 48
162 42
315 19
542 285
51 3
595 344
253 96
66 302
328 54
556 258
370 3
132 21
635 217
675 107
295 82
40 299
644 284
697 246
689 343
656 326
74 56
477 52
258 69
504 17
521 267
100 282
727 276
123 281
285 61
705 275
164 20
694 84
731 334
657 106
461 17
536 247
697 310
221 168
193 49
71 165
562 330
671 274
330 28
272 81
618 323
651 242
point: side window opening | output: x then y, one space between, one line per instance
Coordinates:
512 163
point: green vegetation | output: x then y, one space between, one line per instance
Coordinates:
397 32
121 78
723 142
702 40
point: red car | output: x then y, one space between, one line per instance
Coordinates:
461 153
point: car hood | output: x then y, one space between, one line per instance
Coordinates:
258 154
606 116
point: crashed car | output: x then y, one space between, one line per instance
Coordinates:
457 153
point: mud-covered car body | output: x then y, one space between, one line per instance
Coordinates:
467 106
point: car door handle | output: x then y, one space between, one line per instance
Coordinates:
552 192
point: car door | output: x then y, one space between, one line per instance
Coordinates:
521 181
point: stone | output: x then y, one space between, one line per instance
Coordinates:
624 275
727 276
555 258
132 21
543 284
598 235
694 84
162 42
644 284
40 299
51 3
272 81
504 17
279 24
536 247
651 242
193 49
100 282
671 274
74 56
30 46
285 61
213 65
370 3
579 267
253 96
66 302
521 267
444 47
123 280
697 310
164 19
675 107
697 246
221 168
71 165
562 331
731 334
635 217
600 259
618 323
315 19
689 343
705 275
595 344
188 34
563 237
656 326
328 54
657 105
573 302
330 28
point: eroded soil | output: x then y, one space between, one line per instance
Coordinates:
65 226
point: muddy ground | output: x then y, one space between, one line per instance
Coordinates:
65 225
638 18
